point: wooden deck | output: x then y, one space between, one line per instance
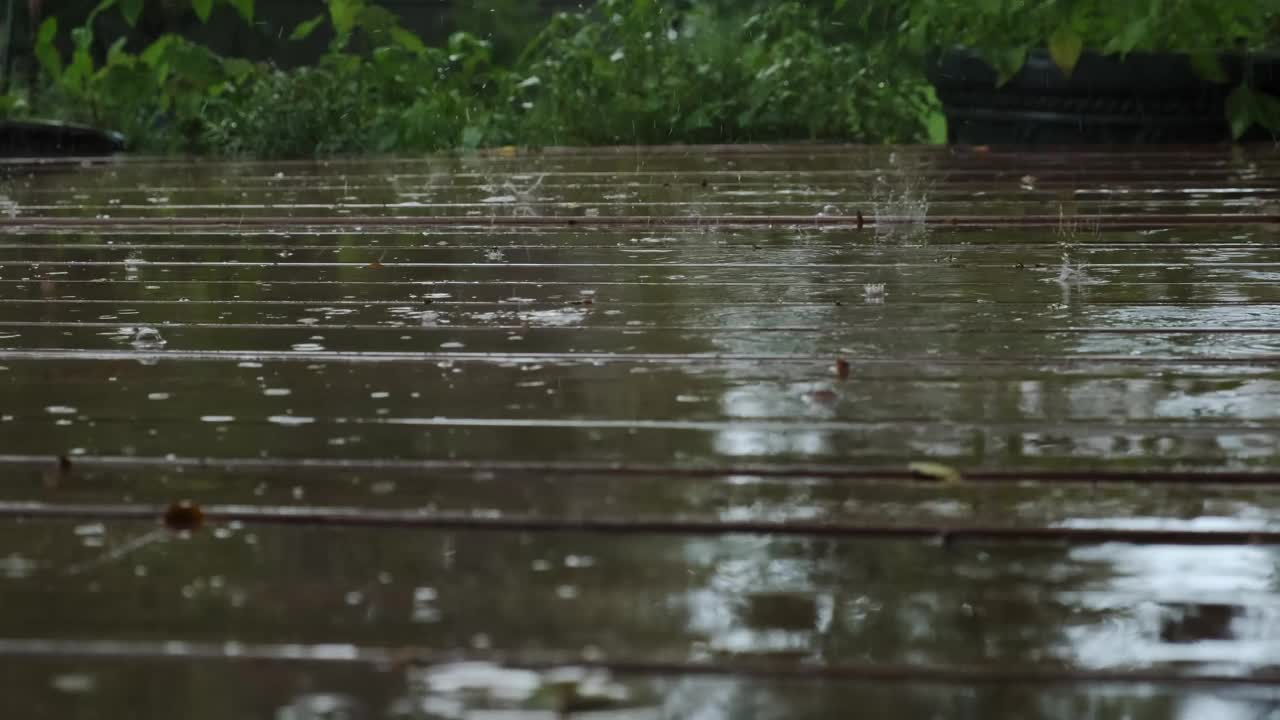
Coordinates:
410 438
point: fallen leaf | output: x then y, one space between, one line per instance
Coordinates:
842 368
935 471
184 515
823 396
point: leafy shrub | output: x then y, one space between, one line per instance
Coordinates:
635 71
1004 31
624 71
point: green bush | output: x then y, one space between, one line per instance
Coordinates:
632 71
1004 31
624 71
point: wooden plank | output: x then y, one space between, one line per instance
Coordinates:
532 409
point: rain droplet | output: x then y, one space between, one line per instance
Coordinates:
73 683
290 420
146 337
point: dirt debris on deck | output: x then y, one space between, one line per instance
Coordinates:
736 432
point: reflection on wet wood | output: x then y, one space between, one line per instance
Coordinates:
650 411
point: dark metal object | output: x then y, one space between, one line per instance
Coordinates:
29 138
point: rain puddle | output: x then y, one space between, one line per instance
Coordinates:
752 432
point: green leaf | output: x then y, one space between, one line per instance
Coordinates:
1240 110
238 68
82 38
408 40
132 10
11 104
46 52
48 31
472 137
1134 34
203 9
1007 63
194 64
1207 66
935 120
81 66
98 10
343 13
1268 111
1247 107
116 53
1065 47
306 27
375 19
158 50
244 7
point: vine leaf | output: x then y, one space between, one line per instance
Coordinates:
45 50
244 7
306 27
203 9
1247 106
132 10
1207 66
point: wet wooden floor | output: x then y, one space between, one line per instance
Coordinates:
371 439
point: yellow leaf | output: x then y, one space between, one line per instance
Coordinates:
1065 47
935 471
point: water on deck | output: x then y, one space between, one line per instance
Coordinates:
642 433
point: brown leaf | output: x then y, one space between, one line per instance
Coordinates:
842 368
184 516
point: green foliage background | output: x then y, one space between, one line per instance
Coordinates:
625 71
